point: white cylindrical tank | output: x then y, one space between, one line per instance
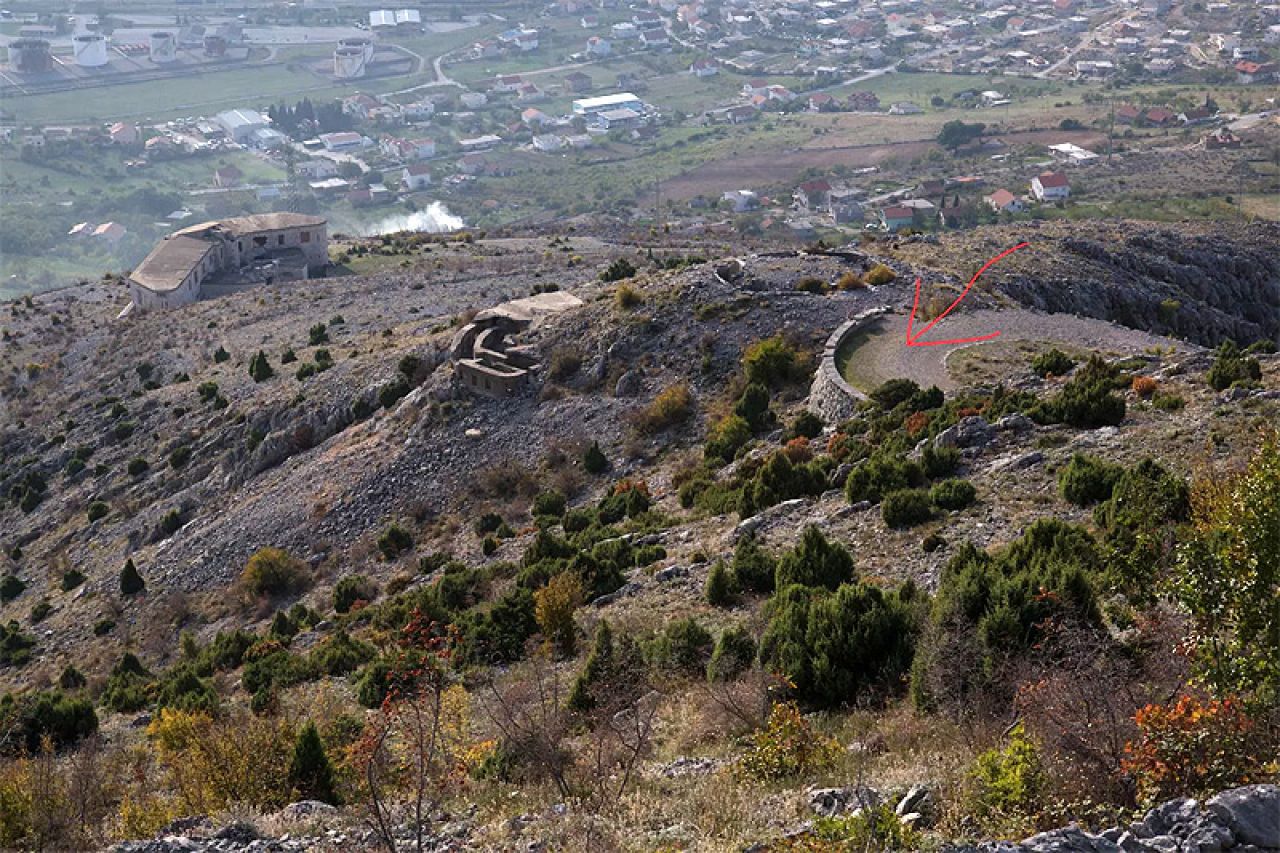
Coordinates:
164 47
348 63
363 44
90 50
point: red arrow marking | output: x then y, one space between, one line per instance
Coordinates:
914 340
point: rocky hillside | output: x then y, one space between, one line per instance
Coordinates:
324 419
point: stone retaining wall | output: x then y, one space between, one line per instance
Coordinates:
830 396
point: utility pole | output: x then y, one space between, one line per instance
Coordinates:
1111 127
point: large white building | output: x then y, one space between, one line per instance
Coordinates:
619 101
240 125
228 255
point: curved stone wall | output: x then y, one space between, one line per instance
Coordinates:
830 396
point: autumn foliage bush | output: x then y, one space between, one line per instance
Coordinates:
787 746
1193 748
1144 386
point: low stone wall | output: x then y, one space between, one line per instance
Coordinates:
831 397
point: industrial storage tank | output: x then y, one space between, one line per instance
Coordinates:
348 63
164 47
215 45
90 50
30 56
363 44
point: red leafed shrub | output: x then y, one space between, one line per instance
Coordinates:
838 446
624 486
1144 386
798 450
967 411
916 422
1193 748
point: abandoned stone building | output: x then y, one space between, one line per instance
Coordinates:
228 255
487 357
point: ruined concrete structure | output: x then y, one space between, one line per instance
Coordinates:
227 255
486 358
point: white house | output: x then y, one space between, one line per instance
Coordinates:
1003 201
473 100
344 140
416 176
599 47
548 142
741 200
1050 186
703 68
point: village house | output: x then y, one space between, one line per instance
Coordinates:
361 105
1003 201
548 143
408 150
122 133
741 201
473 100
1219 139
1050 186
896 217
578 82
343 140
598 47
812 195
821 102
317 169
227 176
416 176
703 67
110 233
506 84
843 206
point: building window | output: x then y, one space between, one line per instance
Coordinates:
280 240
306 236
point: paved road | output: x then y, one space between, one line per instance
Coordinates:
884 355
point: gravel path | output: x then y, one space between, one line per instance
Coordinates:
883 353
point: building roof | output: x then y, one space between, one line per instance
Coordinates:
1052 179
241 118
897 213
604 101
417 169
1002 198
173 258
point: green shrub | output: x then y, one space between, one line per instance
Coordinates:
1168 402
488 545
131 583
1087 401
71 579
594 461
260 368
15 646
41 609
1261 346
726 438
892 393
753 407
103 627
220 355
71 678
11 586
1230 367
182 688
340 654
1087 479
952 494
274 572
276 670
171 522
394 541
317 335
1009 781
788 747
683 647
626 297
814 562
1052 362
35 716
835 645
550 504
618 270
720 586
806 424
487 523
810 284
906 508
126 688
753 568
137 467
373 683
876 828
772 362
672 406
393 392
288 356
311 776
879 275
939 462
882 473
97 510
734 653
179 457
932 543
350 589
601 663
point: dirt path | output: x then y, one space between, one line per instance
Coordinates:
883 354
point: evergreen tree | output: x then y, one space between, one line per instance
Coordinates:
594 461
260 368
719 585
597 668
310 772
131 583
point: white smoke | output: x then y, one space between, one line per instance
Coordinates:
434 219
